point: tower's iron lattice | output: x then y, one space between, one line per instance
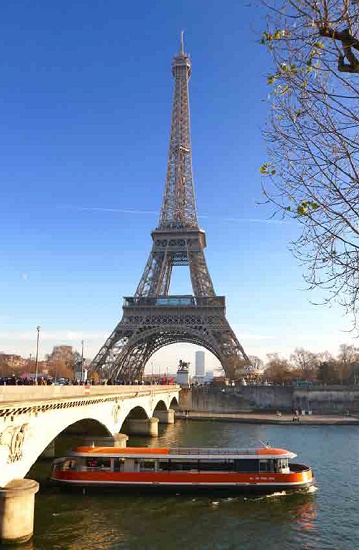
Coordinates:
153 318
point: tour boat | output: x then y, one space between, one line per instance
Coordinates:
263 469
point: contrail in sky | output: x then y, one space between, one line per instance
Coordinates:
153 212
116 210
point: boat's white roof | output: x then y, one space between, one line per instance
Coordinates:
182 453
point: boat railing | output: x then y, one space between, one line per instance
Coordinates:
212 451
298 467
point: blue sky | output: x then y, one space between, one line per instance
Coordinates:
85 106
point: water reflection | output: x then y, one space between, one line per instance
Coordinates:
306 516
29 545
165 521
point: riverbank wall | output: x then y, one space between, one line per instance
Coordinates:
316 399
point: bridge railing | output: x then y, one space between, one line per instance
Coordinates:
19 394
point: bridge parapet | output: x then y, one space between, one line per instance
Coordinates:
15 394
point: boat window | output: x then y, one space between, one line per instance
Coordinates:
247 465
184 465
164 465
267 465
264 466
118 464
104 463
69 465
99 463
281 464
59 464
92 463
216 465
147 465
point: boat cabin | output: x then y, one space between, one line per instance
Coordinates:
175 460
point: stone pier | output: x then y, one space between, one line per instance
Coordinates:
120 440
117 440
166 417
17 504
146 426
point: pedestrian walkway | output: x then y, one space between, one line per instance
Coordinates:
268 418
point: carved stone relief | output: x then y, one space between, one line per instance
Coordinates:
13 439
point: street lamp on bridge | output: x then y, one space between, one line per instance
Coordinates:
82 361
37 352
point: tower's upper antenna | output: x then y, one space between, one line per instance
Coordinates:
182 47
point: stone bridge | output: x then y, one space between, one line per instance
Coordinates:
31 417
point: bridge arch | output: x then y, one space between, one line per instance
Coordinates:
137 413
86 426
160 406
174 404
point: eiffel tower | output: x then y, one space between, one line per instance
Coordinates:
153 318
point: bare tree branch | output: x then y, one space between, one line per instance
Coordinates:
312 138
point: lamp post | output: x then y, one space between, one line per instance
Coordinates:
37 352
82 360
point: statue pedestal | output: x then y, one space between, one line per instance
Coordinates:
183 379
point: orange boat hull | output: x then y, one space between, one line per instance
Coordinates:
176 480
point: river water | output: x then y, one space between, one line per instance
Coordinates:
325 518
